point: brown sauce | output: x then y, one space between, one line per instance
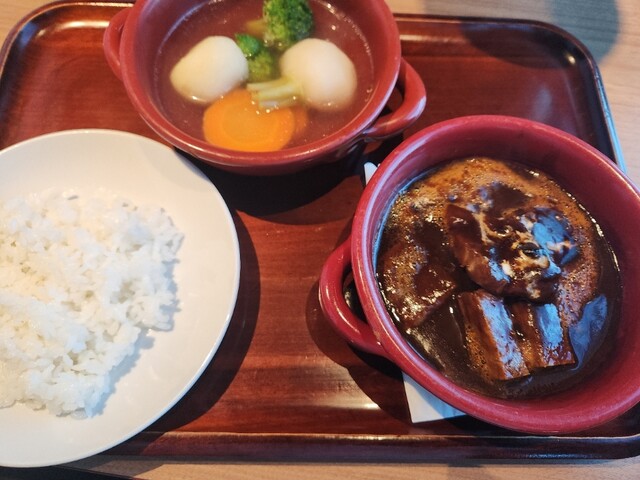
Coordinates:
228 18
423 281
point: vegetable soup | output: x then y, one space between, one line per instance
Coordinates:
228 18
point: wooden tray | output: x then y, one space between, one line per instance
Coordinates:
283 385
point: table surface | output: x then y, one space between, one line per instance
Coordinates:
611 31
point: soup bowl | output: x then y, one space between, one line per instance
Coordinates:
594 180
136 36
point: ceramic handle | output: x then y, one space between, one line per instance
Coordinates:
414 100
353 329
111 40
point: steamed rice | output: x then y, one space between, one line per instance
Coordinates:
81 281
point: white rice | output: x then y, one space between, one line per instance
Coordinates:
81 280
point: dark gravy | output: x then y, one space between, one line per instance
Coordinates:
422 279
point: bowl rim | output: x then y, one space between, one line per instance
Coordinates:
341 139
522 415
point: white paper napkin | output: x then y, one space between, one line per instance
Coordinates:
424 406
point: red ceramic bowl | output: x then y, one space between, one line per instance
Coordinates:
593 179
135 35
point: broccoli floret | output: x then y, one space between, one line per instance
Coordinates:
262 63
283 23
263 66
287 22
249 44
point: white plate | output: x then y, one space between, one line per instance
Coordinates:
207 278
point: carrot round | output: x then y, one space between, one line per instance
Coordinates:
236 123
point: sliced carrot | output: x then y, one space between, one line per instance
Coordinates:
235 122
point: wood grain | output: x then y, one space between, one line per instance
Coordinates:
612 32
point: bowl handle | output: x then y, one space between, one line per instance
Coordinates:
414 100
353 329
111 40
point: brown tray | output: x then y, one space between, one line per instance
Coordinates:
283 385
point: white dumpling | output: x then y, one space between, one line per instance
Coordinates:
213 67
326 75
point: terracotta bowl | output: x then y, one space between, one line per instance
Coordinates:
592 178
136 34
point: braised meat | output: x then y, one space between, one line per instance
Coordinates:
417 276
490 336
542 339
508 341
511 251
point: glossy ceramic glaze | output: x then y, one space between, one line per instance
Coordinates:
135 35
592 178
319 399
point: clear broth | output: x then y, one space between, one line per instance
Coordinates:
228 18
